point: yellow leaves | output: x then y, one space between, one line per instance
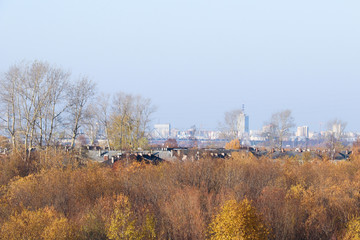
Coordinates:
237 221
148 231
353 230
127 125
68 190
233 145
44 223
323 207
123 223
135 167
298 201
59 229
112 217
295 192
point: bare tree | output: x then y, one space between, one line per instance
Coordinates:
90 124
122 120
57 84
79 95
129 121
10 101
279 128
232 127
103 115
32 96
41 104
143 111
335 131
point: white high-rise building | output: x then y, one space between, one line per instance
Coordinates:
336 129
302 131
242 125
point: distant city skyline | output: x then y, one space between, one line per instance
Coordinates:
197 60
301 138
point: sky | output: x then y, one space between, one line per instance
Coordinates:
197 59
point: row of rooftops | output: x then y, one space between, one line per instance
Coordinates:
155 156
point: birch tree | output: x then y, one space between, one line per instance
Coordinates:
103 115
10 101
230 127
31 96
91 123
336 129
129 121
79 95
50 119
279 128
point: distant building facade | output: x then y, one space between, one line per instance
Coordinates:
336 129
162 131
242 125
302 131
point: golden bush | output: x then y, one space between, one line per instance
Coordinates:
238 221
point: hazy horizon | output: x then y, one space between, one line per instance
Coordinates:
199 59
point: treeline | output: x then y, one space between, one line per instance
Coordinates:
59 195
42 105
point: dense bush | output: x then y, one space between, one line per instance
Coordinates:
179 200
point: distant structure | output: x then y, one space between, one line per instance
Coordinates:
302 131
336 129
161 131
242 125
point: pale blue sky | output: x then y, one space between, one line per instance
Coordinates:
197 59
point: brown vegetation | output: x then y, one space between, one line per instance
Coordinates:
56 194
233 144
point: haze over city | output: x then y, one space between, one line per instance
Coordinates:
198 59
179 119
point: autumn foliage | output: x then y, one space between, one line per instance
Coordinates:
67 197
238 221
233 144
44 223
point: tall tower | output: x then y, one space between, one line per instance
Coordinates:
242 124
